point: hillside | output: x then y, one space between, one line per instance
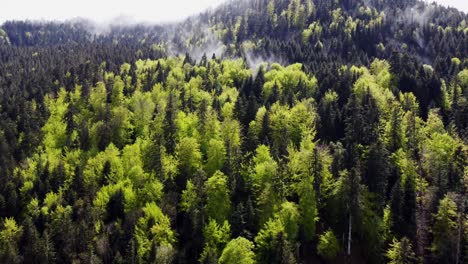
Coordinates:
263 131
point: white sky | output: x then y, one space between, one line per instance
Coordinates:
135 10
460 4
103 10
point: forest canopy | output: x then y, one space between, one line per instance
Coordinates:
318 132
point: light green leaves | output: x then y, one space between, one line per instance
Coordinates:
238 250
104 166
328 246
10 235
445 231
289 78
216 236
189 155
153 228
401 252
215 156
218 203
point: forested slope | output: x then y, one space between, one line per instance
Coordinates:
266 131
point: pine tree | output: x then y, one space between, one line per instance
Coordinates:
377 172
444 231
170 128
401 252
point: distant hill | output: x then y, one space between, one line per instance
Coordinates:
321 34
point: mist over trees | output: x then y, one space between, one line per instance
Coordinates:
265 131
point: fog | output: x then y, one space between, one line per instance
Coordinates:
135 11
462 5
103 11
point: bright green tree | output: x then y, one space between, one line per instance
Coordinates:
153 228
289 216
216 237
445 231
10 236
189 156
264 172
216 154
218 200
401 252
328 246
308 207
239 250
266 240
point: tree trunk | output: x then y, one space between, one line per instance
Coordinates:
350 227
460 230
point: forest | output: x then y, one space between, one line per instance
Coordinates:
263 131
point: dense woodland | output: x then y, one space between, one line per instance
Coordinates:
264 131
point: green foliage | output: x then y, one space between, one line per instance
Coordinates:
234 73
142 108
387 223
55 129
266 239
438 151
263 176
153 228
328 246
308 207
218 201
216 237
210 128
189 197
99 170
104 167
313 31
231 135
370 226
187 125
298 11
189 156
463 77
445 231
275 240
215 156
289 217
290 78
302 121
98 98
265 167
117 95
239 250
377 82
10 235
309 173
401 252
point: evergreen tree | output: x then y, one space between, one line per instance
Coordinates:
445 232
